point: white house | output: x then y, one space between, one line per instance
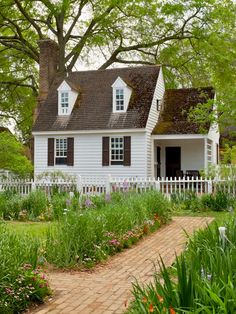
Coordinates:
120 122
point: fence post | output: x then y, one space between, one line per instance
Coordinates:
108 184
209 186
33 185
157 185
79 184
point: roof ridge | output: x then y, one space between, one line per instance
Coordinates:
121 68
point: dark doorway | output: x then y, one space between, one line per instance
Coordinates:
173 161
158 162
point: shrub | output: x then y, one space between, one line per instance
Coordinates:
216 202
35 203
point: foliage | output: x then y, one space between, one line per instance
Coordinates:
193 40
229 155
14 206
201 281
12 155
21 282
90 235
189 201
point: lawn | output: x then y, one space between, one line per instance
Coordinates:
35 229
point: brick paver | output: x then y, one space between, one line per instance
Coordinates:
107 289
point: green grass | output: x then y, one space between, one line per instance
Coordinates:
217 215
34 229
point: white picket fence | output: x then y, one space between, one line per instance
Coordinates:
99 185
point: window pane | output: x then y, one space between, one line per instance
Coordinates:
117 149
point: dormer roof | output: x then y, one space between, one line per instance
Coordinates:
93 107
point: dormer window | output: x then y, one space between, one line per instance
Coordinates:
64 102
120 96
67 96
119 99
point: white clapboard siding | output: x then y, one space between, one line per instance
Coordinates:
153 118
88 156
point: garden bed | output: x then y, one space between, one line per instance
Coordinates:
85 232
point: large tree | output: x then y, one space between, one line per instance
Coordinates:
191 38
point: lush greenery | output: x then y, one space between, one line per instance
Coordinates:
87 230
194 40
202 279
21 280
190 201
104 227
12 155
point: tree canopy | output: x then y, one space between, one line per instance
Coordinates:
194 40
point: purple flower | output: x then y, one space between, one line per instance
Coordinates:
68 202
125 186
114 242
108 197
88 203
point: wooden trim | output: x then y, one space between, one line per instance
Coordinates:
105 150
127 150
50 151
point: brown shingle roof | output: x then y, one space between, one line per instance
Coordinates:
177 103
93 108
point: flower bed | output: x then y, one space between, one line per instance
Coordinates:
22 282
103 227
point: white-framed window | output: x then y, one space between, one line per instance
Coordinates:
120 99
61 151
64 102
117 150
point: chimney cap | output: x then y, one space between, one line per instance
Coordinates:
46 42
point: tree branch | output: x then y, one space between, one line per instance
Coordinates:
141 46
78 48
29 19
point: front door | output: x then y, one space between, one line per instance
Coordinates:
173 161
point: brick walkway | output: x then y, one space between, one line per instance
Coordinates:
106 289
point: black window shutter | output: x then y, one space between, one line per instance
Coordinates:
105 150
50 151
127 150
70 151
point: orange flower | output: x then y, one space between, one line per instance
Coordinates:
145 229
144 300
151 308
160 298
172 311
156 217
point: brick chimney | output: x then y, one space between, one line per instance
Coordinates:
48 64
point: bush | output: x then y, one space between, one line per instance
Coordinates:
216 202
90 234
35 203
